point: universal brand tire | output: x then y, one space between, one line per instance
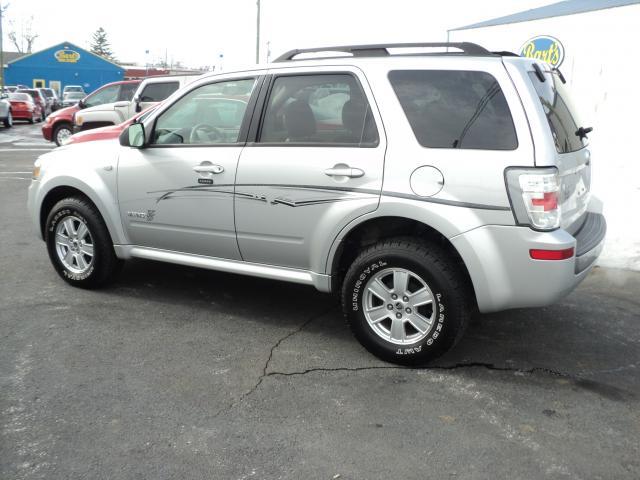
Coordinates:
79 244
406 302
8 122
61 133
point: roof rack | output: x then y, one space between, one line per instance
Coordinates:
382 50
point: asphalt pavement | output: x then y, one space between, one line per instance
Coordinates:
180 373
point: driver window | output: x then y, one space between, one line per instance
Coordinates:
208 115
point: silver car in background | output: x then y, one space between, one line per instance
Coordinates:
71 98
5 111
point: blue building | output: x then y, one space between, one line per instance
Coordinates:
60 65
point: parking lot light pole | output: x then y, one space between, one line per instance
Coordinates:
1 55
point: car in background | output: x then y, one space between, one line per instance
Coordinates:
10 88
39 99
23 107
58 126
52 97
107 133
151 91
71 98
73 88
5 111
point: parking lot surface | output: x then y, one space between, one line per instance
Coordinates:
178 373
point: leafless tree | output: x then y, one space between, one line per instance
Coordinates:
24 40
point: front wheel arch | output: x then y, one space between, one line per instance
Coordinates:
54 196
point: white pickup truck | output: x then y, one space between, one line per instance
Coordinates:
150 92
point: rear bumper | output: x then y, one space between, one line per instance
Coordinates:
22 114
505 276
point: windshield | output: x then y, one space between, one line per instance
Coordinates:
559 110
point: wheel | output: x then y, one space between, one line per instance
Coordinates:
61 133
32 119
8 122
406 302
79 244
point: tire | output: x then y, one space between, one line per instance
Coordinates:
59 133
31 120
407 330
8 122
88 265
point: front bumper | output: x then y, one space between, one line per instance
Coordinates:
505 276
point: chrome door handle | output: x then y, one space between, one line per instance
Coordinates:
344 172
209 168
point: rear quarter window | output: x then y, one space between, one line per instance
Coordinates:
455 109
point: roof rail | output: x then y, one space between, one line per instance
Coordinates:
382 50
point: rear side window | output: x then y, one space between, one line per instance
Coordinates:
559 111
455 109
323 109
156 92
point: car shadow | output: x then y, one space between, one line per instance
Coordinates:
567 340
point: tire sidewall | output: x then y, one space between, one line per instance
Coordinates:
444 329
56 131
57 215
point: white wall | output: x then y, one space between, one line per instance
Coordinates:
602 68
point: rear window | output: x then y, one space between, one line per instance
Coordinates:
156 92
19 97
455 109
559 110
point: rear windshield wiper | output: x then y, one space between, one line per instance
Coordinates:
582 132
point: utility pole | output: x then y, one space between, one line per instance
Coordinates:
258 32
1 55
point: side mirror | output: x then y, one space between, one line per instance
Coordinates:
81 104
133 136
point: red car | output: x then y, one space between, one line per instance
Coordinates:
24 108
59 126
109 132
38 99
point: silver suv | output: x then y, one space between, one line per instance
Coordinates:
417 187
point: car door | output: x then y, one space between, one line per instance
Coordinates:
177 193
315 165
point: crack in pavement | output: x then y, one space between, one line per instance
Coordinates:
608 391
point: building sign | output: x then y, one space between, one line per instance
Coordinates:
67 56
545 48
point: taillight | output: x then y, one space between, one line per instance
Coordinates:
534 196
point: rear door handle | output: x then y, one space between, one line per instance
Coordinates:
209 168
344 172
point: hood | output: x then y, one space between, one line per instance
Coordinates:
65 112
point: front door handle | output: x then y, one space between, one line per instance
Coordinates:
344 171
208 168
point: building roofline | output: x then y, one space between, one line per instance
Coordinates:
559 9
67 43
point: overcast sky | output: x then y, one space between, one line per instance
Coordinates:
197 32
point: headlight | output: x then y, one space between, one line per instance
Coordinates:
78 120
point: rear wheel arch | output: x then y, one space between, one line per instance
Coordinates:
375 229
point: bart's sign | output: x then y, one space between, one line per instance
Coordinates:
545 48
67 56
